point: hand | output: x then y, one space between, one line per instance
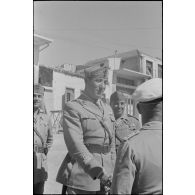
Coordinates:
106 180
105 183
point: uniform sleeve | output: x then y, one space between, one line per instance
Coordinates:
73 135
124 172
50 135
113 144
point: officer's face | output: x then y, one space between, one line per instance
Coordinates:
37 100
96 87
118 107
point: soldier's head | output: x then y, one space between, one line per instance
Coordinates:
117 102
96 79
38 94
149 99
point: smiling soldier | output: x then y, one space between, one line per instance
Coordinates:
43 139
125 123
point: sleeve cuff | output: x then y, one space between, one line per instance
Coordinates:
94 169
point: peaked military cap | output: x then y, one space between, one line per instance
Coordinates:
148 91
117 96
39 89
96 72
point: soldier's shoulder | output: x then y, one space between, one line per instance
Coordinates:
42 113
133 134
73 104
45 117
132 117
129 140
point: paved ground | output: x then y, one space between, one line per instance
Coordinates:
55 157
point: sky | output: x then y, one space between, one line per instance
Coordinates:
83 31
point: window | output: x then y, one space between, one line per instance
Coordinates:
125 90
68 97
69 94
45 76
149 68
160 71
122 61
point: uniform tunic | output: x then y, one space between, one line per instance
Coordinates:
139 162
43 126
90 146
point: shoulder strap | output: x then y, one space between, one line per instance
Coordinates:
119 139
132 117
106 128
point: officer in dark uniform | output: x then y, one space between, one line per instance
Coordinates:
88 125
138 167
125 123
43 139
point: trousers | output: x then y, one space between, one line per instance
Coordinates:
38 188
69 190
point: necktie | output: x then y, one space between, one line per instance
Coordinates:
98 103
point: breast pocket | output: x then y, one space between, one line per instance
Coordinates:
89 123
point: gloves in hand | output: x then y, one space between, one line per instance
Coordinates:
106 181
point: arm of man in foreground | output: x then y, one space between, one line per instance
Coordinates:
124 172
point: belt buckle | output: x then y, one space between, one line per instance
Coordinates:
36 148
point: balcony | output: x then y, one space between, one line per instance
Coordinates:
131 74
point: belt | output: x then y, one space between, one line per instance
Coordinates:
38 149
99 148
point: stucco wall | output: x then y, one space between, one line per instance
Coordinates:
131 63
36 54
48 99
60 82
